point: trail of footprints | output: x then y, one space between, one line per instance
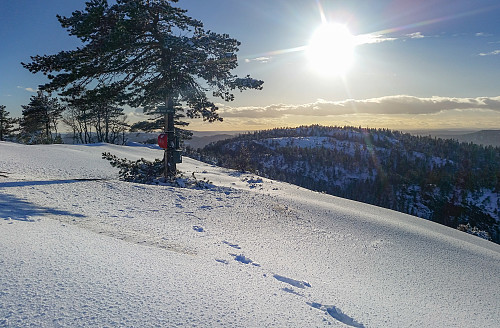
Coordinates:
329 310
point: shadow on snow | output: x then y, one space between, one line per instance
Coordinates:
14 208
40 183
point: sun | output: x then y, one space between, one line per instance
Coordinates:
331 49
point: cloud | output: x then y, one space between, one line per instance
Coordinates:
390 105
28 89
136 116
361 39
372 38
492 53
416 35
258 59
379 38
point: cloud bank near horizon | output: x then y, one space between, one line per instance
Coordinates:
399 104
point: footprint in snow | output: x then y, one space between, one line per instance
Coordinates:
231 245
337 314
243 259
291 291
198 229
292 282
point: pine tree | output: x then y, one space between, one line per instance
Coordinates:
78 117
40 118
6 124
95 110
159 116
148 53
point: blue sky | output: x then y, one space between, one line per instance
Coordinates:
423 65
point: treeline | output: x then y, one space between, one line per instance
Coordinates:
90 118
438 179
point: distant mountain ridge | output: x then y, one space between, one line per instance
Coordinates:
198 140
201 141
456 184
483 137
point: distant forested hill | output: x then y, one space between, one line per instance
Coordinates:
485 137
455 184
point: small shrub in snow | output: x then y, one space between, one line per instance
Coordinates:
147 172
140 171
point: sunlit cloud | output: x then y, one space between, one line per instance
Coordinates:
416 35
379 38
390 105
436 20
28 89
137 116
372 38
479 119
262 59
492 53
482 34
358 40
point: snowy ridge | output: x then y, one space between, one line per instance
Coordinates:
80 248
440 180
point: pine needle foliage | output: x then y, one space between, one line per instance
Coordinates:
139 171
143 52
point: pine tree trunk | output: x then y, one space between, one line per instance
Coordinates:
1 123
170 167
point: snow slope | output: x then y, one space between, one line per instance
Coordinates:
80 248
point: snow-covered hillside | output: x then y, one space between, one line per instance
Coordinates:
454 184
78 248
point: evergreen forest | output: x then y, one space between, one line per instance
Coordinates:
443 180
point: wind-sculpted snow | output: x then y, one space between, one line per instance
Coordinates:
78 248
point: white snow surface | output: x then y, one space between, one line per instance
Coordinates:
249 252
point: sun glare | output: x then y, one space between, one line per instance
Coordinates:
331 49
